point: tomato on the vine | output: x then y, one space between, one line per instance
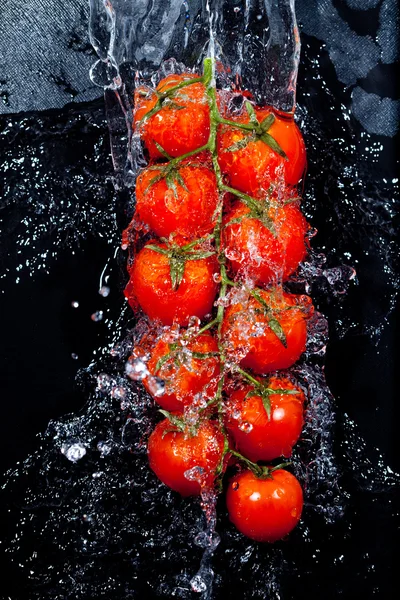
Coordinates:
267 330
178 121
266 242
275 151
265 509
189 368
173 452
257 435
182 201
172 284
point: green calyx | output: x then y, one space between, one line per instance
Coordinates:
166 99
261 390
178 256
273 322
179 424
178 353
256 131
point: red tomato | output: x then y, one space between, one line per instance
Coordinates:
187 379
247 332
267 509
151 286
265 253
186 207
183 122
257 436
173 452
253 168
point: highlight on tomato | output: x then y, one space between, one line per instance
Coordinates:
266 330
265 419
174 119
271 149
189 368
186 461
264 242
265 508
180 200
173 282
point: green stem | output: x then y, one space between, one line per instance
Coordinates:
248 377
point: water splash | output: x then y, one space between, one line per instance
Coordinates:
104 518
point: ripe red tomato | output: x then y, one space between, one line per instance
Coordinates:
173 452
267 244
151 286
183 122
257 436
188 377
186 206
250 331
252 168
267 509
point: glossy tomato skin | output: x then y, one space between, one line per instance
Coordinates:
150 285
265 510
171 453
258 437
191 378
178 127
246 332
188 211
257 253
253 168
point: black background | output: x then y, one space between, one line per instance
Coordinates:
40 330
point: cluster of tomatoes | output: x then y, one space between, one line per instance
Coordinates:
222 232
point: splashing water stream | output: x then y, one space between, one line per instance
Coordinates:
92 520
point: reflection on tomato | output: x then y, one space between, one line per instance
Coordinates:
257 436
183 122
249 329
265 509
172 453
190 373
252 168
265 247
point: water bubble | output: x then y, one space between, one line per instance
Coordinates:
104 448
74 356
156 386
195 474
73 452
198 584
97 316
104 291
103 382
118 392
245 427
136 369
223 301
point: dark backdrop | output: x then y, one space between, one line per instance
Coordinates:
58 214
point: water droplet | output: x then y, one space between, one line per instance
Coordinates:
73 452
97 316
235 486
245 427
74 356
104 291
104 448
198 584
118 392
156 386
136 369
75 304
